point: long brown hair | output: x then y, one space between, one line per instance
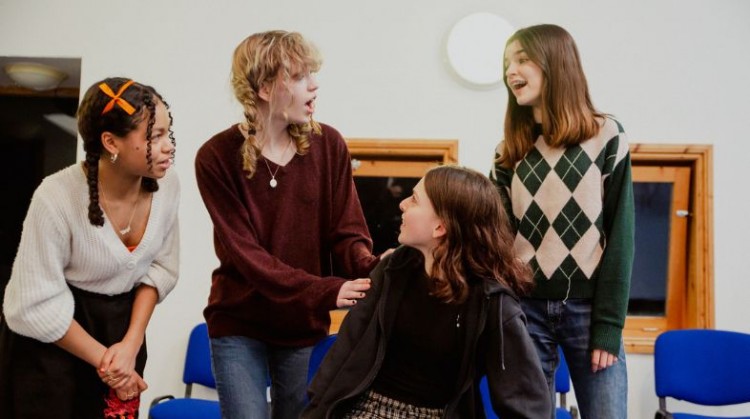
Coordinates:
568 115
268 57
92 123
478 240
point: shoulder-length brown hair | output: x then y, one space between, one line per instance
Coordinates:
478 240
268 57
568 115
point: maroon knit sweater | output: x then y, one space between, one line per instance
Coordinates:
283 252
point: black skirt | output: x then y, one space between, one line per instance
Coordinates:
41 380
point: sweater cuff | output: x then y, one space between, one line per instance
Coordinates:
606 337
329 300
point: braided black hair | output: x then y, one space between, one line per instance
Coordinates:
92 123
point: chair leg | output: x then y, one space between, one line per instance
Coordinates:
663 413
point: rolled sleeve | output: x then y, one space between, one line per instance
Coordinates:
164 270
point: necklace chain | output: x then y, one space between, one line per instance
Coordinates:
125 231
273 182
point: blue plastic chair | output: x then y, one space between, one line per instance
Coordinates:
703 367
317 355
197 371
562 387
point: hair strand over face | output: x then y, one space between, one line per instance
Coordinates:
268 58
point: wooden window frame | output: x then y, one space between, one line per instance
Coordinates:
399 158
690 296
694 307
649 326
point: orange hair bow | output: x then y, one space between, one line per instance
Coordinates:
116 98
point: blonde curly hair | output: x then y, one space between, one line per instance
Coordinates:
268 57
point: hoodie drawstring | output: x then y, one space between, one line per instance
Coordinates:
502 341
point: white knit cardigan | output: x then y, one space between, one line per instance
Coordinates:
59 246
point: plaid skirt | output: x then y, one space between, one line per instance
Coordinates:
41 380
372 405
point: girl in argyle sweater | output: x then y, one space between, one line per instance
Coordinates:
563 171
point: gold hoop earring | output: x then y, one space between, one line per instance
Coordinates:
113 158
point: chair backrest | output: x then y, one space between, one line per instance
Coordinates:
706 367
562 386
562 374
318 353
198 359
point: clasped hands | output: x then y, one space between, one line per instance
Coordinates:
117 370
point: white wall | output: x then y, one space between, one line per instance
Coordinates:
671 71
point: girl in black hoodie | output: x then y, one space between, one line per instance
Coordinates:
443 311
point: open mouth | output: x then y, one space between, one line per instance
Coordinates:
310 105
517 84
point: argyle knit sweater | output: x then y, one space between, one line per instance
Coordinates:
572 209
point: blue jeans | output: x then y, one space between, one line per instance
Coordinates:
242 366
599 395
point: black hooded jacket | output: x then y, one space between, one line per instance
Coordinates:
496 344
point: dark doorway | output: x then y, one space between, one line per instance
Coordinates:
33 146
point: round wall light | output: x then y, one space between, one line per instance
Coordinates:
35 76
475 48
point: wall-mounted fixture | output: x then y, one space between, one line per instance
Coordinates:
475 48
35 76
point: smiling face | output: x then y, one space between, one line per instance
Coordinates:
420 227
524 78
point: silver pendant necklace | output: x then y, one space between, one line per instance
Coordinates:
273 182
123 232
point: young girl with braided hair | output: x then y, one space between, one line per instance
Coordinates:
289 232
99 249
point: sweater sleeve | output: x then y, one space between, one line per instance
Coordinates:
612 292
351 243
518 388
501 177
234 231
38 303
164 269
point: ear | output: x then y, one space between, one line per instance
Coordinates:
108 143
438 231
265 91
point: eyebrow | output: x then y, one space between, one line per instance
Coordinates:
515 53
